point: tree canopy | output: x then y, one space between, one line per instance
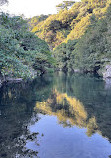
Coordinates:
20 49
70 22
91 52
65 5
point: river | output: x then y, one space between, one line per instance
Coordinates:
56 116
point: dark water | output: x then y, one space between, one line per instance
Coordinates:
56 116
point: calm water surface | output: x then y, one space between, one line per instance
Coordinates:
56 116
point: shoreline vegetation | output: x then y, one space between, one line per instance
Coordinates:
22 54
76 39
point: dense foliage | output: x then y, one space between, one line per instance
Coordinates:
21 50
79 34
64 56
92 51
71 21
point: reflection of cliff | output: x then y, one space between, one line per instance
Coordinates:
68 110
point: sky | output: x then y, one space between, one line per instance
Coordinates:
30 8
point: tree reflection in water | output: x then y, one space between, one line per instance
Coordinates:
78 100
69 111
16 112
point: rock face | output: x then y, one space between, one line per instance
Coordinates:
107 72
8 79
15 80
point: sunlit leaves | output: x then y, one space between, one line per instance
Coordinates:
73 21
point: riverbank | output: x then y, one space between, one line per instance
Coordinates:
5 80
105 74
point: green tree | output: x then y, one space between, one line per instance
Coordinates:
19 48
65 5
64 56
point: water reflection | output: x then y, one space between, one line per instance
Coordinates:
28 112
94 96
66 108
69 111
16 112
